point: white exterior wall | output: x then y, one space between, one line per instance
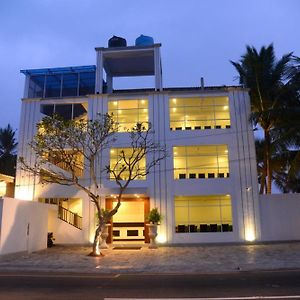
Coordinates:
280 217
160 185
23 226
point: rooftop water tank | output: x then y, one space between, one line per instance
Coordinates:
144 40
117 41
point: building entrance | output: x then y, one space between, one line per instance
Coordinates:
128 224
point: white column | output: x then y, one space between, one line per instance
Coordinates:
26 87
109 81
157 69
99 73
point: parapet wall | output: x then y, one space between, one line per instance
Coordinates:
23 226
280 217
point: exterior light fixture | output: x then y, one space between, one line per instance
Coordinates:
225 107
174 100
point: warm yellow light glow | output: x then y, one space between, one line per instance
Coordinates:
174 100
175 153
112 151
226 151
145 109
2 188
143 101
225 107
174 109
115 103
250 235
161 238
24 193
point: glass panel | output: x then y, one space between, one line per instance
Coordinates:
79 111
87 83
210 161
64 110
117 162
53 85
210 213
129 112
181 215
47 109
36 86
127 104
70 84
199 113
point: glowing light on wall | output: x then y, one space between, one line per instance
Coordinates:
2 188
24 193
161 238
91 238
250 234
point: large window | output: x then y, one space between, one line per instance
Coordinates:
199 113
201 162
61 85
68 111
117 162
129 112
203 213
69 161
36 86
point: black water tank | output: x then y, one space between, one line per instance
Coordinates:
116 41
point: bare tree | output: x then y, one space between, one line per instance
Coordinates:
65 150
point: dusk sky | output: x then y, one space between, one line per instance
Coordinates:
198 37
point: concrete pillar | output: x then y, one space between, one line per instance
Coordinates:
99 73
157 69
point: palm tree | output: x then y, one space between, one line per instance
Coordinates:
266 78
8 147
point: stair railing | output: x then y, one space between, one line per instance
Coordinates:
69 217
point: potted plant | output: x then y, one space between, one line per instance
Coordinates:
154 218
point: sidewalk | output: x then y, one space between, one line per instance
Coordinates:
165 259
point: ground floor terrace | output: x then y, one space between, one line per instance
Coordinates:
185 219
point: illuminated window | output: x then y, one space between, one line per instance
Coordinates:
199 113
118 163
129 112
68 111
201 162
203 213
68 160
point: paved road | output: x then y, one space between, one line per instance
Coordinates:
88 286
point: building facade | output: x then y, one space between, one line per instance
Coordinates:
206 189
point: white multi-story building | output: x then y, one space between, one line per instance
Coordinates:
206 189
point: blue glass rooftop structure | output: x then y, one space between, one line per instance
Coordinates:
61 70
61 82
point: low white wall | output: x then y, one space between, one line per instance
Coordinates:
280 217
23 226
